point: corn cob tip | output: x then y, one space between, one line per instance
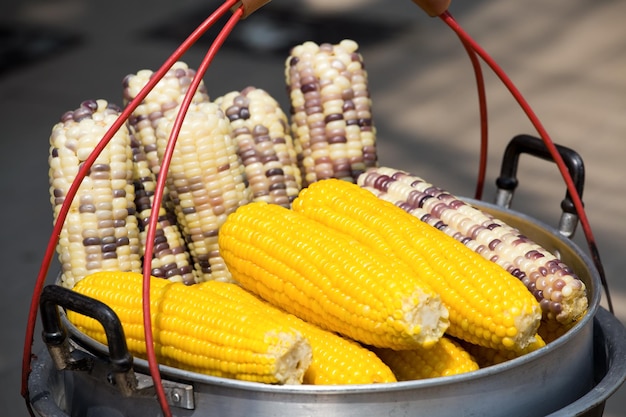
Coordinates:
293 356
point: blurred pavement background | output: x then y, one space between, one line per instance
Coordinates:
568 58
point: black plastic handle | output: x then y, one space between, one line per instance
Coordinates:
507 181
55 335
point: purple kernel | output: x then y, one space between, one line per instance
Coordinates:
494 244
109 255
555 307
456 204
306 88
109 247
91 241
382 182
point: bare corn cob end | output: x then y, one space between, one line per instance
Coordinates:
446 358
331 114
561 293
199 331
328 279
336 360
487 305
488 357
100 232
264 144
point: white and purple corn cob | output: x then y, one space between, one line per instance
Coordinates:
100 232
205 182
264 145
331 111
164 98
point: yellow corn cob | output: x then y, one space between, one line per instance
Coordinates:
331 114
170 259
264 144
162 100
100 232
561 293
487 305
446 358
198 331
336 360
488 357
205 183
324 277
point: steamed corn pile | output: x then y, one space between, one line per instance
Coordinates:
283 253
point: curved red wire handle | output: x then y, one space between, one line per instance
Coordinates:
469 43
158 198
86 166
484 125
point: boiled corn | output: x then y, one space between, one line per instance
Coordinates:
328 279
100 232
205 183
198 331
164 98
331 113
487 305
264 144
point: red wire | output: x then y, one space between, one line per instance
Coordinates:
82 173
571 187
158 198
484 125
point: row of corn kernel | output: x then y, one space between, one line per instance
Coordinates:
101 230
170 257
264 144
330 111
561 293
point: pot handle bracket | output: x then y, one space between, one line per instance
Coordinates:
55 335
507 181
119 365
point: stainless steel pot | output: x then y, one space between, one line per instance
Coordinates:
64 394
536 384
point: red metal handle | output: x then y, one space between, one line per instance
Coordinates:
433 7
